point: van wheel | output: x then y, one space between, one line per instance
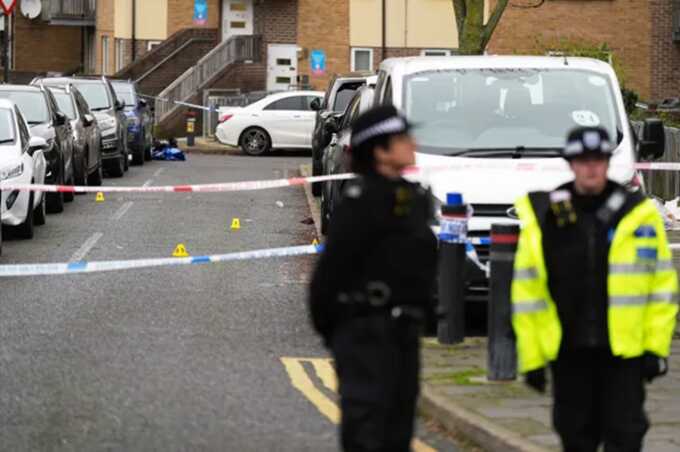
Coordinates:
25 229
255 141
95 179
117 169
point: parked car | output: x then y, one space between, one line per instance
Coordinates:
139 121
88 166
340 91
108 111
22 161
502 108
282 120
46 120
335 158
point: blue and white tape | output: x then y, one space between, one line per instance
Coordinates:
104 266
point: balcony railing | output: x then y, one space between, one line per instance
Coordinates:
70 12
236 49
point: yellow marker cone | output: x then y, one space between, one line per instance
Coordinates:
100 197
235 224
315 242
180 251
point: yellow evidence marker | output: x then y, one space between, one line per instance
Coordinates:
315 242
100 197
180 251
235 224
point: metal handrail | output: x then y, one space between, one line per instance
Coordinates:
234 50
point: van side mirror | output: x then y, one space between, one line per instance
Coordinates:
120 105
36 144
88 120
143 103
653 141
315 104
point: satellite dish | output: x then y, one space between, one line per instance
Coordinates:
31 8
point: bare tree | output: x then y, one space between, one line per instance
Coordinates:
473 34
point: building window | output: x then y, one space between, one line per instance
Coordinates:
120 54
105 55
362 59
152 44
435 52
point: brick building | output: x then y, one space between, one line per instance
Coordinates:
58 36
640 34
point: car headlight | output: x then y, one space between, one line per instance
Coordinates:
108 123
11 172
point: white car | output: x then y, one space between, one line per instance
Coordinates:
22 161
282 120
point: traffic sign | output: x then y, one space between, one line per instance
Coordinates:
8 6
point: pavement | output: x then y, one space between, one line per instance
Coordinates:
202 358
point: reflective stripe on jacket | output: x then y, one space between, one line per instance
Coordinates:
642 287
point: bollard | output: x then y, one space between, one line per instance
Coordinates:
502 352
191 128
453 235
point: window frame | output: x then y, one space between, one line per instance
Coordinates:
354 58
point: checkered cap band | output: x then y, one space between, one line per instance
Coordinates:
391 126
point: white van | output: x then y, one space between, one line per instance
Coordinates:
479 110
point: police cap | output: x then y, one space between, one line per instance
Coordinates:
588 141
382 121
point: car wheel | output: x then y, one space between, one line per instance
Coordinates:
40 214
255 141
81 174
138 156
147 153
25 229
69 196
55 200
117 168
95 179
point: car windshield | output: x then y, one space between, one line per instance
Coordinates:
31 103
6 126
95 95
125 93
344 96
65 104
532 110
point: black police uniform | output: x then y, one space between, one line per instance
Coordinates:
371 292
597 397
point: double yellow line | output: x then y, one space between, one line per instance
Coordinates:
326 374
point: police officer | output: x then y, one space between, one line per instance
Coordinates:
372 287
594 297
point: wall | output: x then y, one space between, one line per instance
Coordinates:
105 27
148 26
181 14
410 23
39 47
625 25
665 54
316 20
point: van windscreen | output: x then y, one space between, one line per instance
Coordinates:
488 109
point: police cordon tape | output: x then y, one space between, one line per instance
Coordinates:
65 268
279 183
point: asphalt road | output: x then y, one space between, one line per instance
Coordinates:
214 357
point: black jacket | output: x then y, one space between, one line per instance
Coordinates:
577 261
380 253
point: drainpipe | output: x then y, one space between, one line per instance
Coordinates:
134 30
384 28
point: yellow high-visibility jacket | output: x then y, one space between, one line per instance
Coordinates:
642 287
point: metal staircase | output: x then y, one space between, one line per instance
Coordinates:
235 50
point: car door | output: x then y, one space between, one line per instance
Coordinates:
37 160
90 128
283 121
307 119
64 135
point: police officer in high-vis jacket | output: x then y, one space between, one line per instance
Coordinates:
594 298
372 288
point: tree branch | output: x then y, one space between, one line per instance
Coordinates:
493 21
460 11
